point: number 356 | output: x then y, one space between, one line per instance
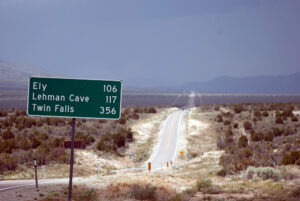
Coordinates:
107 110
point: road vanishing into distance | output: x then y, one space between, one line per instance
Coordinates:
166 151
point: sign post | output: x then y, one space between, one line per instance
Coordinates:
43 171
74 98
98 164
35 173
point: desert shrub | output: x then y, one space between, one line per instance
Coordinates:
288 131
20 113
29 122
276 132
7 162
23 143
35 143
143 192
245 153
6 123
56 142
23 156
294 118
7 146
228 114
7 134
247 125
226 122
122 120
88 139
268 136
151 110
243 141
226 162
238 108
206 186
217 108
135 116
58 154
265 113
278 120
229 132
235 125
287 112
295 192
119 139
42 154
228 139
256 136
84 194
291 158
257 114
3 113
221 173
129 136
219 118
263 173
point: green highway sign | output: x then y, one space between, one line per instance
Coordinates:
75 98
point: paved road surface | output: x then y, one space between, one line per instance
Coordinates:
168 143
12 184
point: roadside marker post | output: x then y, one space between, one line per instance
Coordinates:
73 98
98 164
43 171
35 170
167 164
149 166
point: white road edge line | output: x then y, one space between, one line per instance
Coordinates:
178 131
20 186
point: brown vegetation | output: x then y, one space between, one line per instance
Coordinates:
23 138
267 137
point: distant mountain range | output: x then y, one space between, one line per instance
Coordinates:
15 76
284 84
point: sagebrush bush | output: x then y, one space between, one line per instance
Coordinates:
268 136
291 158
238 108
247 125
243 141
151 110
256 136
7 162
143 192
7 134
263 173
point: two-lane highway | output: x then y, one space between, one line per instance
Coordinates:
166 151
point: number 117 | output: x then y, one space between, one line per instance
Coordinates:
111 99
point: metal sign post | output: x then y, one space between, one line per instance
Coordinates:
71 161
35 170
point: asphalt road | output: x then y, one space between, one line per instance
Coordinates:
166 151
12 184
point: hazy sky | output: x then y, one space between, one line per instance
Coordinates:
149 42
